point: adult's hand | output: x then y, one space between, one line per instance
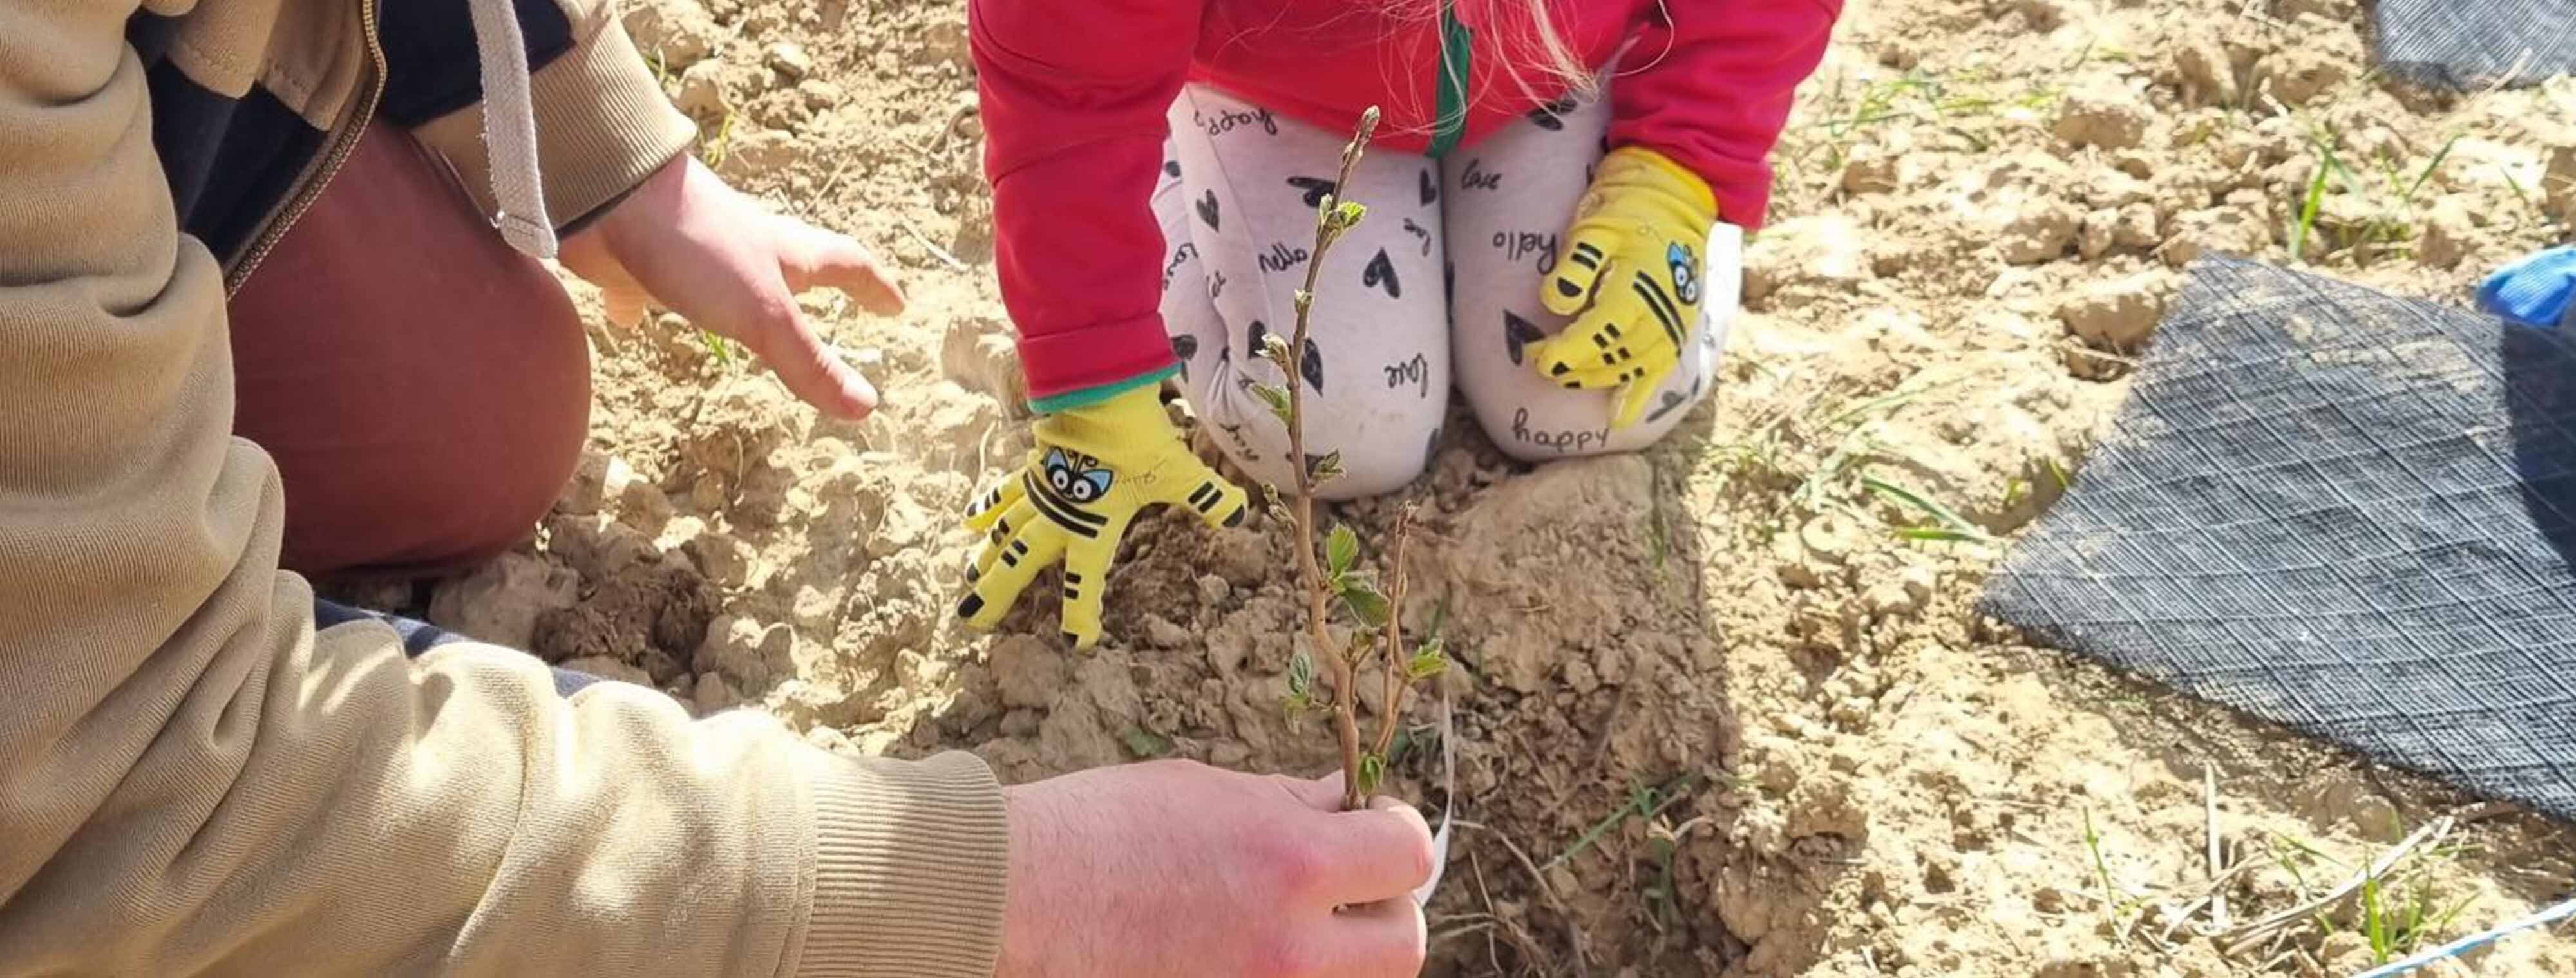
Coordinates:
685 241
1173 869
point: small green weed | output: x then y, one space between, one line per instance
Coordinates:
2398 927
2387 218
1659 542
2311 203
1955 100
1644 801
2114 906
720 145
1946 526
717 347
1147 744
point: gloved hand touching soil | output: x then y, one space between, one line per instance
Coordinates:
1093 468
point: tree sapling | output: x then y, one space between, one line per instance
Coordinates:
1336 577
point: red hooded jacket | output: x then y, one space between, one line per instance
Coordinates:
1075 91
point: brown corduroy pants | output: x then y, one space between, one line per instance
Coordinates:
424 389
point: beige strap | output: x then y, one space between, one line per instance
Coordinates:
510 130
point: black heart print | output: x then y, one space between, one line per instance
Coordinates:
1184 347
1171 168
1316 189
1207 210
1674 400
1381 272
1430 188
1518 334
1311 365
1549 116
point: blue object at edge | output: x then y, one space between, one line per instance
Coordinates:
2538 291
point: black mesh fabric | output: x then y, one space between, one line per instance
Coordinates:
2468 44
2340 510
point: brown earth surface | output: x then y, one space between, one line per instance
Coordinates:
1713 715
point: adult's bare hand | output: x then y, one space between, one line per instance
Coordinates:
685 241
1173 869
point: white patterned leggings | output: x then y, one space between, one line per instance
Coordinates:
1443 275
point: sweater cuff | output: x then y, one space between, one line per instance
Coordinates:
603 125
1089 396
1104 355
910 859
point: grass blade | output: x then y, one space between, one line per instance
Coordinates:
2111 903
2429 168
2372 922
2308 213
1888 401
1934 534
1951 526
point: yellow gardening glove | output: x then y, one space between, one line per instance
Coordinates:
1631 275
1093 468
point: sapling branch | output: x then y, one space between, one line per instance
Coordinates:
1335 577
1331 219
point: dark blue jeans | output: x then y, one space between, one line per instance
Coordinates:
420 637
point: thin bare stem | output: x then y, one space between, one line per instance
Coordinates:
1399 678
1345 688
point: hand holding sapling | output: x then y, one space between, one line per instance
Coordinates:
1174 870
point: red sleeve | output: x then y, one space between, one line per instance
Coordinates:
1710 88
1074 95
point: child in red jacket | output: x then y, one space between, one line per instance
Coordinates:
1555 198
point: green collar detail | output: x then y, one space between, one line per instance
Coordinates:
1456 54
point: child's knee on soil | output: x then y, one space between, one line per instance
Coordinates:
1546 434
1541 423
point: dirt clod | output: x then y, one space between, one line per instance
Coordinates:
2207 72
1801 256
2449 233
2044 231
2559 183
673 34
652 616
2118 315
2105 118
2299 75
789 60
501 601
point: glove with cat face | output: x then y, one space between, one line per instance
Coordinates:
1093 469
1632 278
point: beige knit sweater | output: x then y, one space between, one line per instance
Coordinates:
192 781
